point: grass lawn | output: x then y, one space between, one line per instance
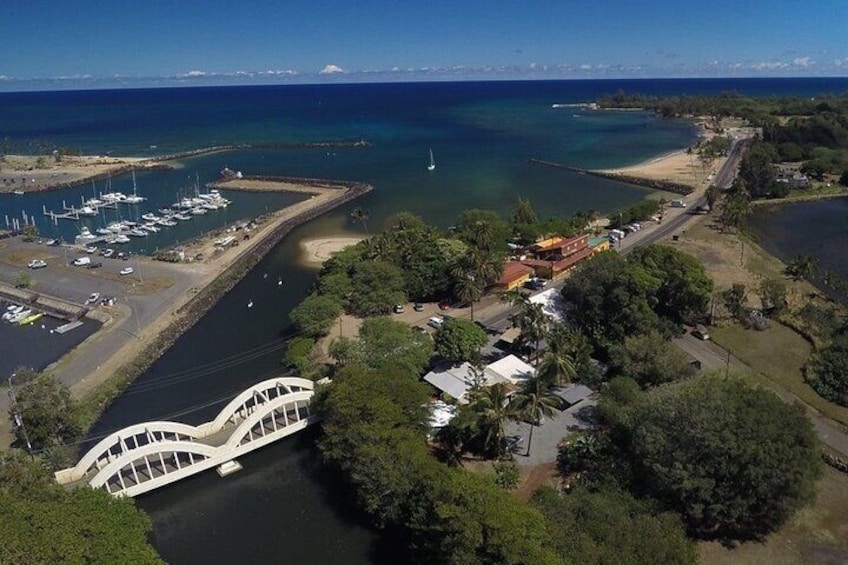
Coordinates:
777 355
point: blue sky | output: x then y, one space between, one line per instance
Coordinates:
318 40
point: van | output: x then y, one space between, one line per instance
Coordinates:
82 261
436 322
677 204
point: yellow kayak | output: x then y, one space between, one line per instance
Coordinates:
30 319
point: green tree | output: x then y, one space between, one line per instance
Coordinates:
383 343
772 293
43 523
360 216
650 359
612 298
492 410
337 285
698 446
29 232
523 212
684 293
843 178
802 267
827 372
736 206
756 170
459 340
609 526
734 299
315 315
531 320
376 287
483 229
534 402
48 411
558 365
712 194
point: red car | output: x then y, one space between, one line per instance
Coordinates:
444 305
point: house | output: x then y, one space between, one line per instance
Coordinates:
456 381
515 274
572 394
553 258
793 178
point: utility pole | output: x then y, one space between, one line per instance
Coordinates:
19 422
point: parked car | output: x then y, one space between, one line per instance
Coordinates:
37 264
399 309
93 298
418 307
127 271
444 305
95 264
701 333
81 261
91 249
108 253
436 322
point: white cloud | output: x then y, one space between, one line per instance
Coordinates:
585 67
803 62
331 69
841 62
195 73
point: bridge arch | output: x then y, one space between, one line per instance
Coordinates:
247 401
125 440
106 476
270 411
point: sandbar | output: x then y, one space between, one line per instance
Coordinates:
317 251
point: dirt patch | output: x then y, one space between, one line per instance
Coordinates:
534 477
149 286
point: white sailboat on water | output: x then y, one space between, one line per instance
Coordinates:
432 164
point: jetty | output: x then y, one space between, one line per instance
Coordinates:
656 184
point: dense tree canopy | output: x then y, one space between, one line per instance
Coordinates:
43 523
459 340
376 287
757 171
315 315
48 411
606 527
828 371
385 343
684 293
612 298
374 433
650 359
735 461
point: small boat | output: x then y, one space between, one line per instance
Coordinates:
432 165
182 217
19 316
199 211
166 222
104 231
19 193
137 232
31 318
86 211
149 226
150 217
129 223
85 237
12 311
165 211
250 304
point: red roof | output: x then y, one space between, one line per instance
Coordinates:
564 263
513 270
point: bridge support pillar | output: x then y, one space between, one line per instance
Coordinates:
228 468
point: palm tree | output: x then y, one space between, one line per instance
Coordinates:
534 402
557 365
523 212
533 323
492 408
361 216
468 288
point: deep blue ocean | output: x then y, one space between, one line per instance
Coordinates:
283 506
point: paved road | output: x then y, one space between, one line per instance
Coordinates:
714 357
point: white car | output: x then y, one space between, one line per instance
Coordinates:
93 298
127 271
37 264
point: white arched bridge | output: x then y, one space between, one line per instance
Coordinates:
150 455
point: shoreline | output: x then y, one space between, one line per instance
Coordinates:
316 251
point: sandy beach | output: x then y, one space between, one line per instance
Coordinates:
316 251
678 167
30 173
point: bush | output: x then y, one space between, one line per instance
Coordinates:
828 372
